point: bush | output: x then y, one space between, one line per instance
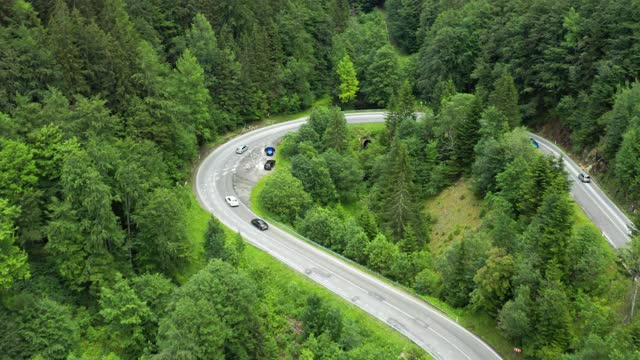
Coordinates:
428 282
284 196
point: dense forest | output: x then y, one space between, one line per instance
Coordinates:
105 104
545 277
103 107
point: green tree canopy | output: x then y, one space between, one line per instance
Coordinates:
349 84
280 186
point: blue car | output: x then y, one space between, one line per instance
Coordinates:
269 151
534 142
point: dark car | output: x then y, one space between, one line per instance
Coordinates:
269 164
269 151
260 224
534 142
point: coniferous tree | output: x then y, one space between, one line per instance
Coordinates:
493 281
515 318
403 23
383 77
336 135
398 191
162 244
505 98
83 232
186 89
214 240
216 325
552 316
402 108
549 233
124 314
62 31
442 92
467 136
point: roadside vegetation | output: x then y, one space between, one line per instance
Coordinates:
105 104
523 265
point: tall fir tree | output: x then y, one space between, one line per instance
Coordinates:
505 98
336 135
397 206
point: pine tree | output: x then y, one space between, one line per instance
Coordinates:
186 88
214 240
467 136
402 108
62 28
493 281
398 191
515 319
505 98
124 313
442 92
553 320
383 77
123 41
201 40
409 242
336 135
550 231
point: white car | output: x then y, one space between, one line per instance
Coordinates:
241 149
232 201
585 178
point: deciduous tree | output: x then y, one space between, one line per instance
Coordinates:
349 84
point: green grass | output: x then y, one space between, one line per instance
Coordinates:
278 278
254 202
456 211
367 129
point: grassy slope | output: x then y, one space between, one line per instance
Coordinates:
456 211
279 280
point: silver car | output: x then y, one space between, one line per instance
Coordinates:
242 149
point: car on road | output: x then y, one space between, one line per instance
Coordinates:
242 149
269 150
260 224
269 164
585 178
232 201
534 142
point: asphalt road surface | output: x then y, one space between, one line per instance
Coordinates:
613 223
225 173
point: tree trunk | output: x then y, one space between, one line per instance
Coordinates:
635 293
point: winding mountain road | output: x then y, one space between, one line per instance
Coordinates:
223 173
613 223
